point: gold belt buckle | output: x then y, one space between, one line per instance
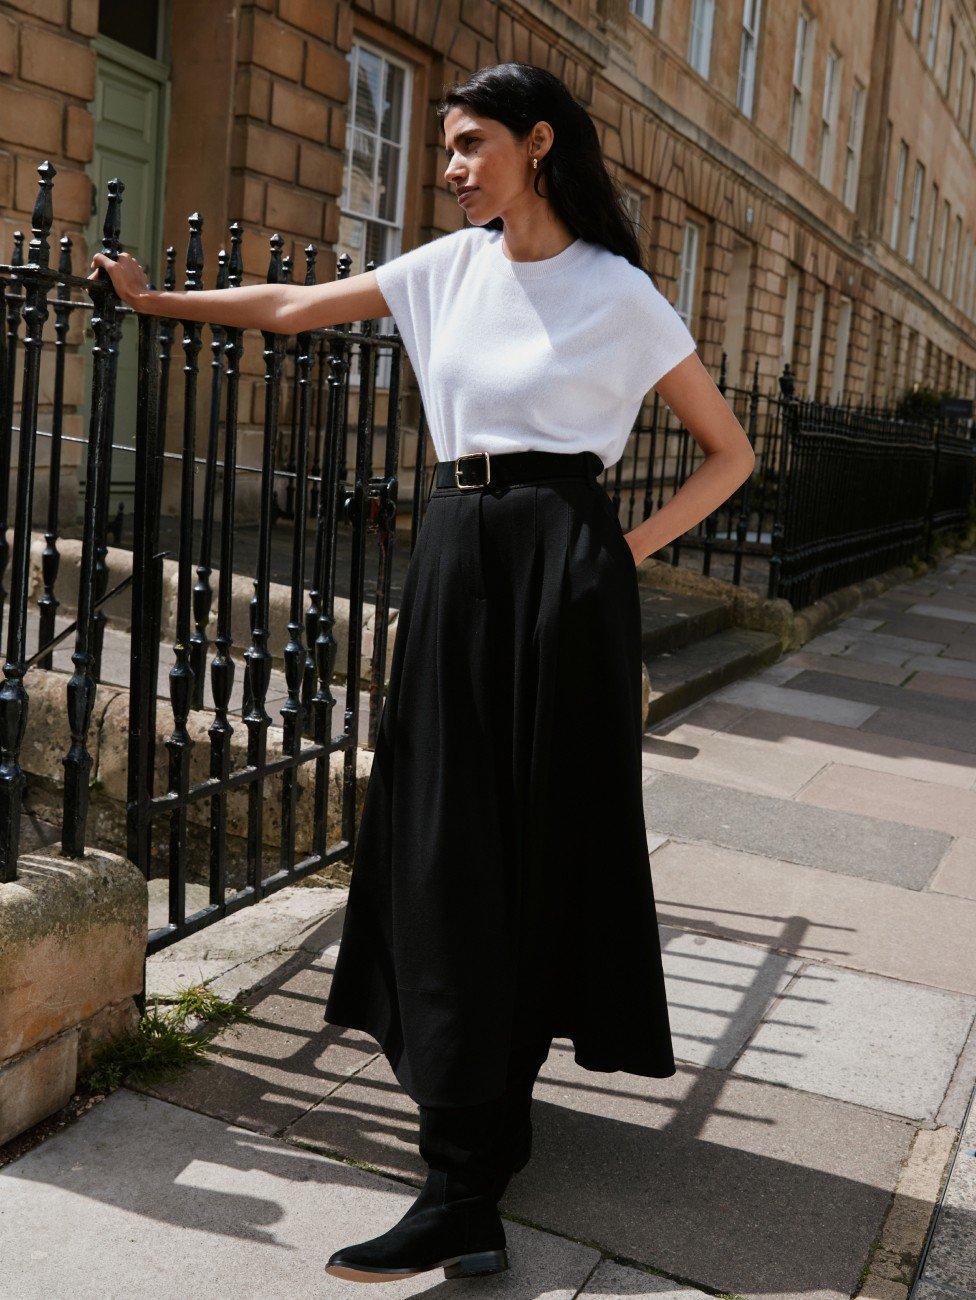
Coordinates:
466 486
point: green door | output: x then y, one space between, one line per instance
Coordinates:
131 97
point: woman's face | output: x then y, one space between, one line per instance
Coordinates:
484 156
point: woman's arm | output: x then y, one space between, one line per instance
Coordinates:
691 393
274 308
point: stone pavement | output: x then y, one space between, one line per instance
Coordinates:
814 863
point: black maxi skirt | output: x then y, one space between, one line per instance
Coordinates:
501 888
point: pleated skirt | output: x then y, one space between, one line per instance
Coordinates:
501 888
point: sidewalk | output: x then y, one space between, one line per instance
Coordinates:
814 862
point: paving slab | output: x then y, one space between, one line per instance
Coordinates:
840 842
734 1185
844 787
796 703
941 610
611 1279
943 665
861 1038
235 953
921 729
182 1205
957 871
718 992
882 696
858 924
954 688
847 667
266 1073
730 761
934 763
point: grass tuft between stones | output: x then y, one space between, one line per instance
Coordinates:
168 1037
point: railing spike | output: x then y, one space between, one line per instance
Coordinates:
235 267
194 253
112 227
311 253
222 260
274 265
42 217
64 260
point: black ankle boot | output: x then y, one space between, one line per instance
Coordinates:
450 1225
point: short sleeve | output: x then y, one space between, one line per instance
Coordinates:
664 338
412 284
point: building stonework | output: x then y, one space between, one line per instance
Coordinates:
805 190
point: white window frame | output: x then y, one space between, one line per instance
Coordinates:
943 233
800 88
701 27
393 228
688 270
645 10
745 91
828 117
898 195
950 289
816 339
932 48
855 139
839 377
632 200
930 236
914 213
950 56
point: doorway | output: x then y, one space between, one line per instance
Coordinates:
131 110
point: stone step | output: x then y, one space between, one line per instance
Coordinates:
671 619
680 677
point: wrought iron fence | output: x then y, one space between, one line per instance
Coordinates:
306 392
838 493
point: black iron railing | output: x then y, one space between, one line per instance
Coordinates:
838 493
180 816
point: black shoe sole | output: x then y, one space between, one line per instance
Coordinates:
474 1265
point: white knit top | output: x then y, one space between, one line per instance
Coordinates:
555 354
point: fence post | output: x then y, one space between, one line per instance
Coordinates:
14 303
13 696
81 687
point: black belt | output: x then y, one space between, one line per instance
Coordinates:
480 469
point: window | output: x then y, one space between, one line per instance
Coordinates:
789 318
940 252
855 135
972 287
933 33
917 20
801 85
950 55
632 204
644 10
700 42
816 331
950 285
746 88
914 212
686 275
374 172
828 119
137 26
838 381
966 116
929 238
962 281
899 191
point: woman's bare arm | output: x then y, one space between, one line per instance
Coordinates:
692 394
274 308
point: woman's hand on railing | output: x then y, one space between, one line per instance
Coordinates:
128 278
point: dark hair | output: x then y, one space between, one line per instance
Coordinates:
578 185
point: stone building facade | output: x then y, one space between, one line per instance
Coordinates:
802 172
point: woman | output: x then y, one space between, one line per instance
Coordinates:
501 892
